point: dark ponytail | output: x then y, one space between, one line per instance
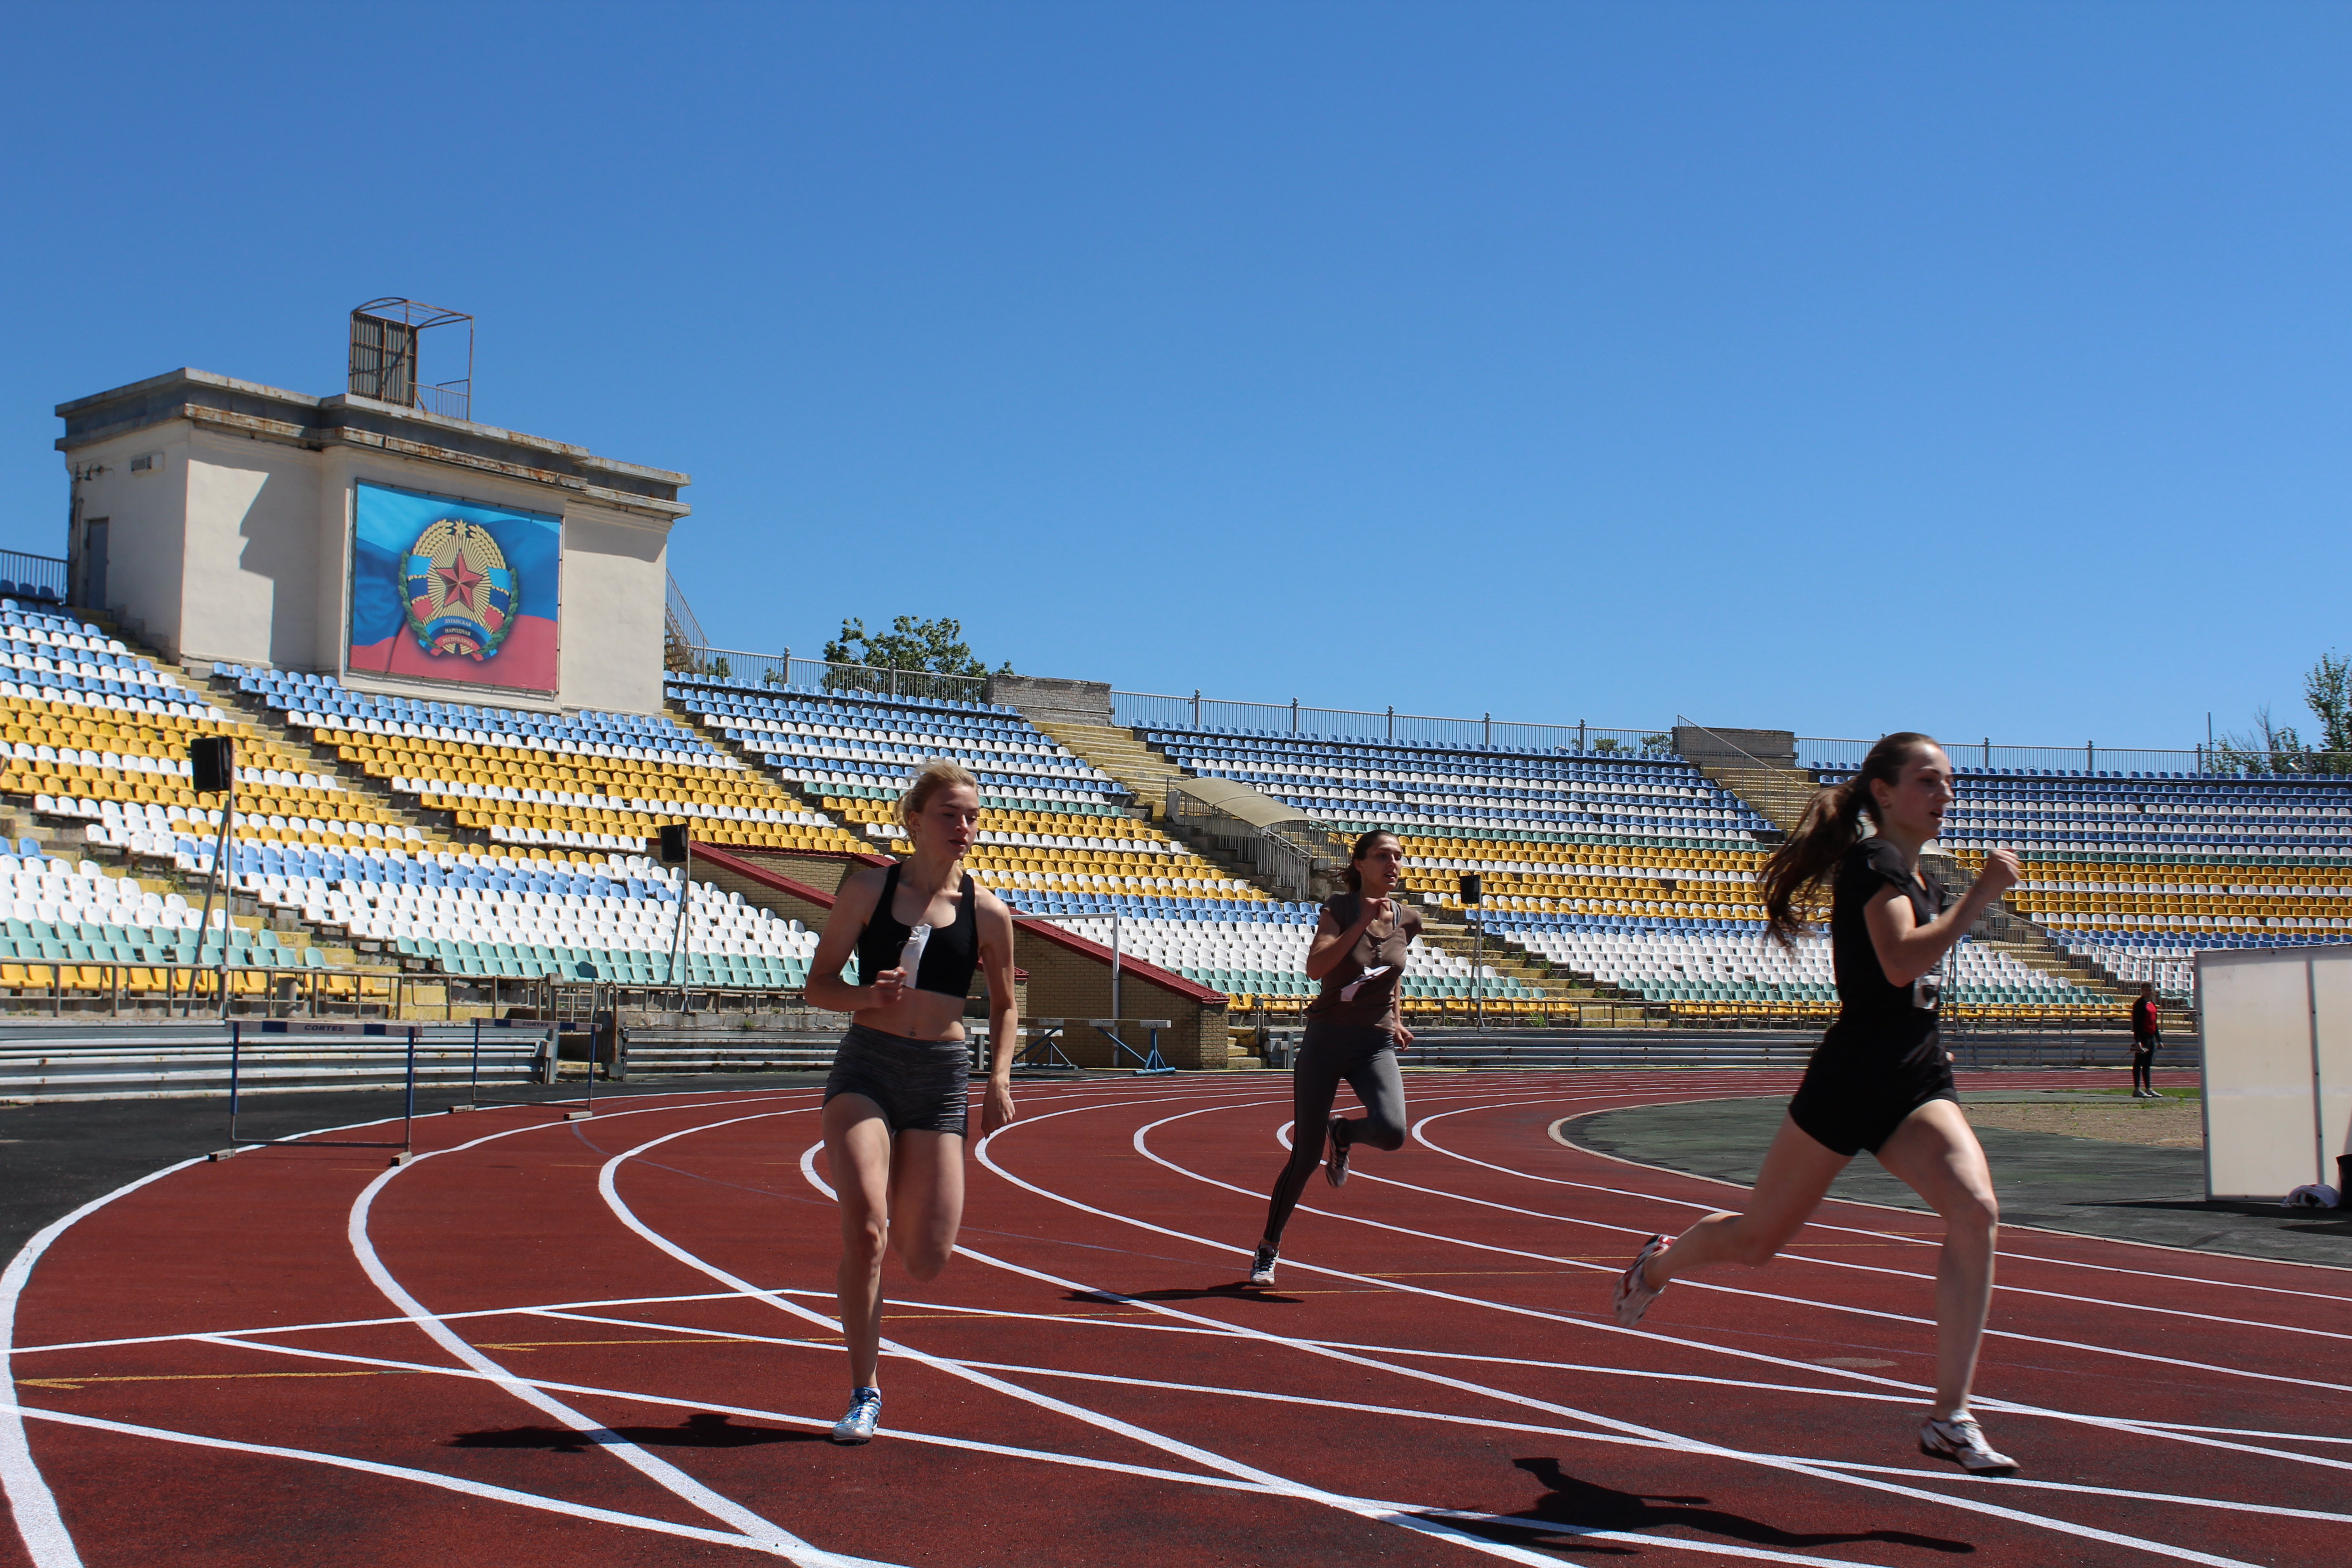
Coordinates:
1793 878
1348 874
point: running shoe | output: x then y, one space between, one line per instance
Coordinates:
1334 1164
865 1414
1962 1441
1262 1265
1634 1293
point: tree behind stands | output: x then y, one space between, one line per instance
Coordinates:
915 647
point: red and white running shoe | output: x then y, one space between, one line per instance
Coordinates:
1962 1441
1635 1292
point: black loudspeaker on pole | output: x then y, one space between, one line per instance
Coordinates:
211 760
1471 892
673 843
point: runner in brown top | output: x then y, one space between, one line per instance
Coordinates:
1353 1031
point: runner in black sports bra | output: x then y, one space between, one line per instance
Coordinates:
894 1105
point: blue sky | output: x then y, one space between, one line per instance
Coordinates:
1842 368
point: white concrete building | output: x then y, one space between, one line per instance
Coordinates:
215 518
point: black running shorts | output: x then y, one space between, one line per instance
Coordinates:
921 1086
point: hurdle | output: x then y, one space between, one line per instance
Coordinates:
1045 1036
238 1027
1148 1063
549 1029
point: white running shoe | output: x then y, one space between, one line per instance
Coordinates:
865 1414
1335 1163
1635 1292
1962 1441
1262 1265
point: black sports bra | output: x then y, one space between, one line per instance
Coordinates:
948 957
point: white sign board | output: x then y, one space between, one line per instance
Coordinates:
2276 1027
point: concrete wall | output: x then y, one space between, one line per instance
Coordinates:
1717 747
143 513
1044 698
249 576
612 624
1069 977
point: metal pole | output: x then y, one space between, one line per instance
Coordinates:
234 1044
1478 971
1391 720
1196 708
408 1107
1115 935
1294 715
221 868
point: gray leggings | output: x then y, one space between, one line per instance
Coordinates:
1366 1058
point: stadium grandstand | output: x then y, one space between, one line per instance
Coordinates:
409 832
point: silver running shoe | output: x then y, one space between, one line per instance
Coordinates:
1335 1163
1635 1292
865 1414
1962 1441
1262 1265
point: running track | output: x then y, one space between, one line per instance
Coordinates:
606 1341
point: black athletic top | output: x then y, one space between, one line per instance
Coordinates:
1874 1013
948 957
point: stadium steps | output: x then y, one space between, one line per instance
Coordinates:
1147 774
2002 930
1118 752
322 756
277 750
1778 796
1571 993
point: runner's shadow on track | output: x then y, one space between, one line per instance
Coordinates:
1573 1505
1237 1291
704 1429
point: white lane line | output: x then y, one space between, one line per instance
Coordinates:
2333 1297
1145 1472
35 1506
2154 1429
391 1322
833 1347
1421 1136
770 1536
1689 1444
1908 1395
432 1479
1206 1458
1711 1286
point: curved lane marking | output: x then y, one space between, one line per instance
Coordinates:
1688 1444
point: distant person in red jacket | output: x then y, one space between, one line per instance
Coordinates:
2147 1027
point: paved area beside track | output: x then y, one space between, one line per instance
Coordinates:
2125 1191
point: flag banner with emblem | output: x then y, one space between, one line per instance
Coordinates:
453 590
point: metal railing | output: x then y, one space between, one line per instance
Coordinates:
1287 854
782 672
1162 711
24 576
2219 760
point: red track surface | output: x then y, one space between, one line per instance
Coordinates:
606 1341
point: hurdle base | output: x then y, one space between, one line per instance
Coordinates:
404 1157
578 1115
218 1154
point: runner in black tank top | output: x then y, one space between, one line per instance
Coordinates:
894 1107
1881 1080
